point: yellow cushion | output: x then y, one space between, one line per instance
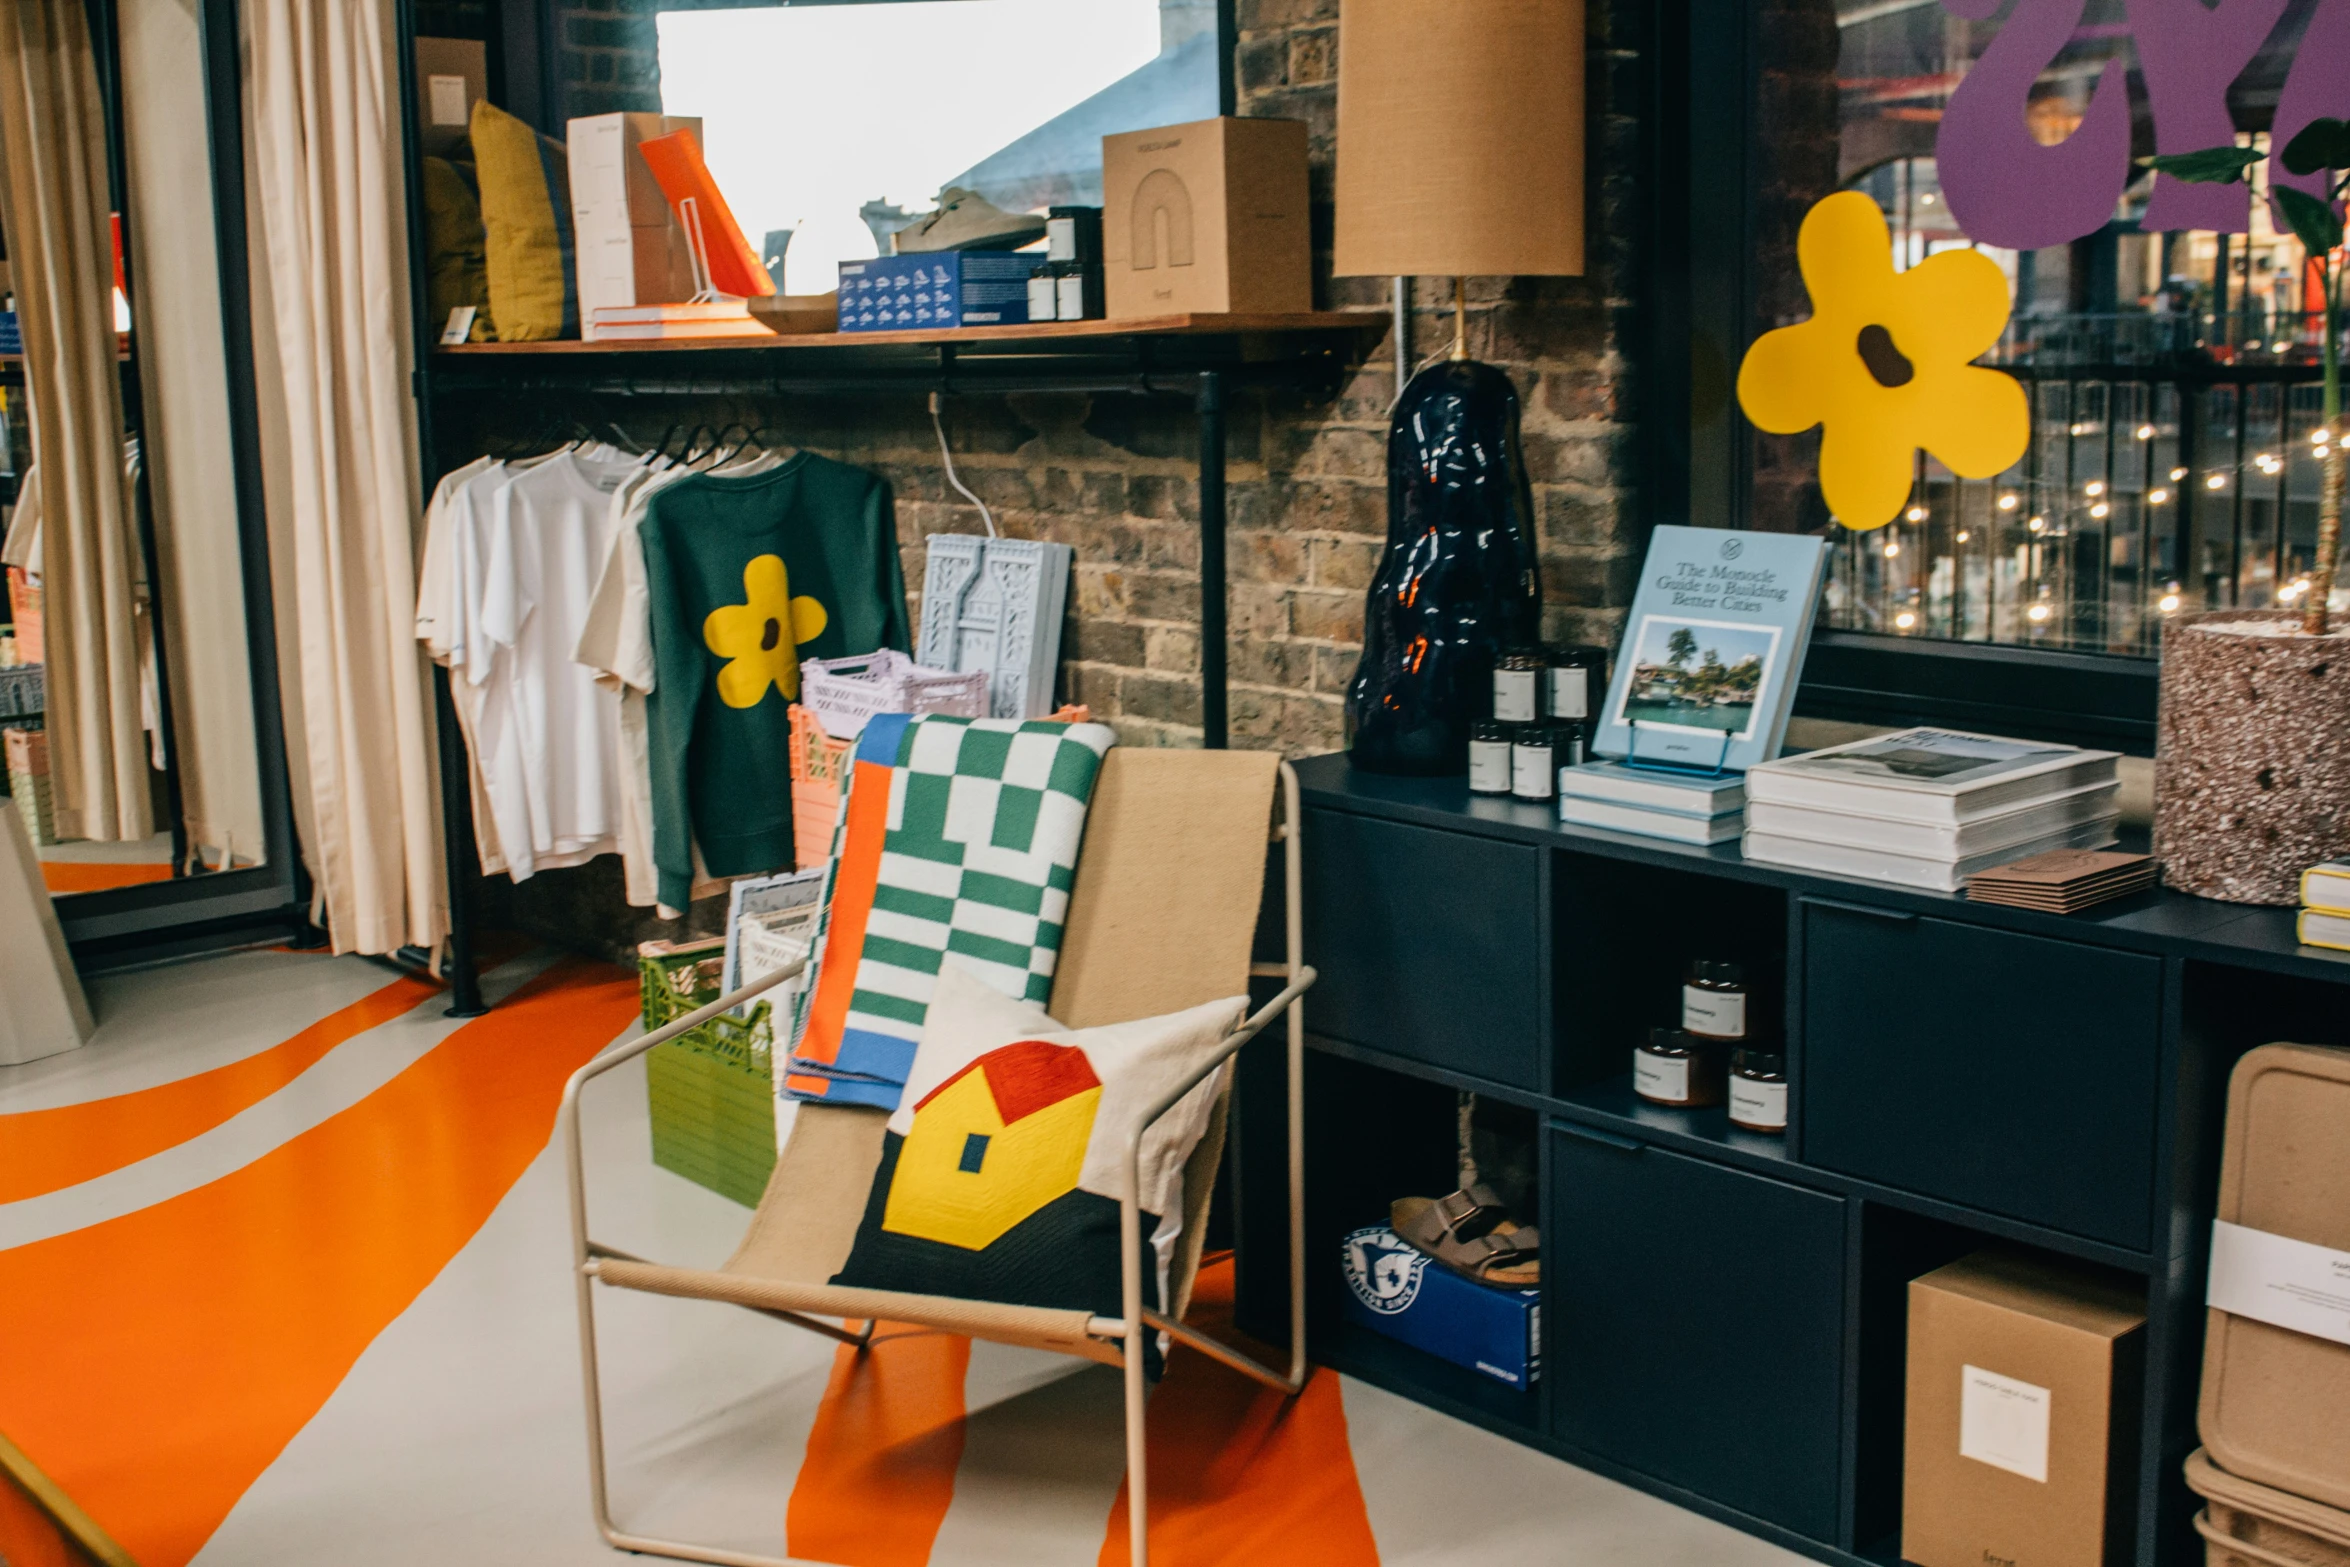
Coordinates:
456 268
526 218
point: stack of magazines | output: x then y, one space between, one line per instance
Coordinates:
2325 906
1686 808
1929 807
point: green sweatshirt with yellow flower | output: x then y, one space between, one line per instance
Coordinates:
746 576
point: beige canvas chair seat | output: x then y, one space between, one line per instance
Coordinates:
1163 917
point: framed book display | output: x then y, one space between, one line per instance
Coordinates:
1706 674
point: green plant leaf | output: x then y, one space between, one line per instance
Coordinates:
2321 144
2211 166
2314 222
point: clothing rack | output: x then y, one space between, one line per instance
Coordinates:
1205 358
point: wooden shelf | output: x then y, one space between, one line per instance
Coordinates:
1186 325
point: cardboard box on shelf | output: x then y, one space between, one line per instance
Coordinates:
452 75
631 248
1208 217
2021 1428
1395 1290
942 288
24 608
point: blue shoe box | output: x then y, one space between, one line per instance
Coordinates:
1395 1290
943 289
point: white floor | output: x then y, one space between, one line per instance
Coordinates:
457 1437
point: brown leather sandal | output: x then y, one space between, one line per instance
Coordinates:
1472 1234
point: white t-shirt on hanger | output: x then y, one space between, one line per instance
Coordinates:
553 776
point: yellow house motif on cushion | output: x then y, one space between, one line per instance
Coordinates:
993 1144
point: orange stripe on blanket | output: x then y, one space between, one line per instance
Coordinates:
852 904
1239 1474
45 1150
153 1365
69 876
880 1470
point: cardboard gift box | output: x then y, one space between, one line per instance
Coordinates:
1208 217
2275 1407
1396 1290
942 288
2021 1428
631 250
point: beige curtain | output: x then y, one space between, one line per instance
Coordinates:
191 480
61 250
322 102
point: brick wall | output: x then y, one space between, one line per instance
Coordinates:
1113 477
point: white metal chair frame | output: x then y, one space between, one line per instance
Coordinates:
1129 1328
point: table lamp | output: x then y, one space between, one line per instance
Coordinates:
1460 154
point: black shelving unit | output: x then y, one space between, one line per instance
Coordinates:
1724 1313
1202 358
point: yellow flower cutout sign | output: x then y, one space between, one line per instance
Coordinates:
760 638
1884 364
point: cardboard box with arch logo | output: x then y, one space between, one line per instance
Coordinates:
1207 218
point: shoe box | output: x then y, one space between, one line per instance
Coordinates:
940 288
1396 1290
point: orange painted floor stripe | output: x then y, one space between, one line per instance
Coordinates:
72 876
44 1150
880 1470
1240 1475
153 1365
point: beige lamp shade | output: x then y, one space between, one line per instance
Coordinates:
1460 138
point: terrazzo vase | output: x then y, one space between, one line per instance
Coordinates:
2252 768
1458 583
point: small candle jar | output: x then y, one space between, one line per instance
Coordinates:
1043 295
1713 1000
1758 1090
1574 743
1517 686
1489 757
1573 680
1679 1069
1534 769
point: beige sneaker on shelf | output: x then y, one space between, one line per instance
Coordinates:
966 220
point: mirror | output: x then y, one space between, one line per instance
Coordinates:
129 701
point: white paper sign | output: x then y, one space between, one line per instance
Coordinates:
447 97
460 325
2003 1422
2280 1281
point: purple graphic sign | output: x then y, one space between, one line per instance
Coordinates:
2006 189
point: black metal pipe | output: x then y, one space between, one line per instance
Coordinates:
1215 723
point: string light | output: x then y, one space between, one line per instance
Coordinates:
2007 502
1916 514
1905 620
2038 523
2145 432
1963 535
2169 602
2081 429
2157 497
2218 481
1892 548
2094 488
2176 474
2100 510
2037 613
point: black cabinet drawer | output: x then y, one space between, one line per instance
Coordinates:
1694 1326
2011 1073
1428 944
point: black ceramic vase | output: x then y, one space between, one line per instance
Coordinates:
1459 582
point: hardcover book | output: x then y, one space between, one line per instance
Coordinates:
1706 673
1929 775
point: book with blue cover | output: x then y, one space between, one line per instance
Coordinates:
1705 676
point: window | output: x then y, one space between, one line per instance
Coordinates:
830 126
2170 369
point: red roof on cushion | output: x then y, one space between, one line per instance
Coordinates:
1026 1077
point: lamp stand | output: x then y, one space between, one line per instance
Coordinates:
1458 584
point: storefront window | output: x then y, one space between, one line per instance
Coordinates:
2167 336
1008 98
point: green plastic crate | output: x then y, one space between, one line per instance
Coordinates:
712 1089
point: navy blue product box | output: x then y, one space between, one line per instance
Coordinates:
944 288
1395 1290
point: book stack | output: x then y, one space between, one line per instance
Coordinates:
650 323
2325 906
2064 881
1654 804
1929 808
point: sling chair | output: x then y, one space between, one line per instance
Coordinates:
1162 917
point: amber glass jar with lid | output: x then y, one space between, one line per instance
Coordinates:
1489 756
1517 685
1758 1089
1574 680
1713 999
1678 1068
